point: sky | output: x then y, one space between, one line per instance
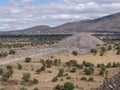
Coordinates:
20 14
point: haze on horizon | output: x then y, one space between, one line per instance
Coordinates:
19 14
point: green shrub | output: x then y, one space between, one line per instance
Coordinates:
12 51
54 79
94 51
5 77
59 87
89 71
36 88
75 53
91 79
61 72
73 70
102 70
109 65
68 77
26 77
68 86
28 59
109 47
9 67
83 78
23 88
35 81
80 66
38 71
88 64
1 71
2 89
19 66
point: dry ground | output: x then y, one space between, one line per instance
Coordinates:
46 77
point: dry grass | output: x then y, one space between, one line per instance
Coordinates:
45 77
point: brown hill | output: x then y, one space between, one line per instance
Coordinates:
29 31
110 23
107 23
82 43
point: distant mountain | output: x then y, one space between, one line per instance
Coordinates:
107 23
29 31
110 23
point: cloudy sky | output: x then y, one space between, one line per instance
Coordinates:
18 14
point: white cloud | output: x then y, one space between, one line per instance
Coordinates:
26 13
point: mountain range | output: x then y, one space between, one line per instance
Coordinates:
110 23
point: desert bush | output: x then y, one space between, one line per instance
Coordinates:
109 65
23 88
59 87
1 71
2 89
42 68
75 53
103 49
9 67
89 71
5 77
35 81
73 70
57 62
42 61
116 64
94 51
91 79
68 86
88 64
71 63
68 77
83 78
109 47
36 88
19 66
38 71
28 59
61 72
12 51
26 77
118 52
54 79
102 53
102 70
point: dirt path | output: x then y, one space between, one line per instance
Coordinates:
17 58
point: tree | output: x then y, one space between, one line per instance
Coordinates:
26 77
